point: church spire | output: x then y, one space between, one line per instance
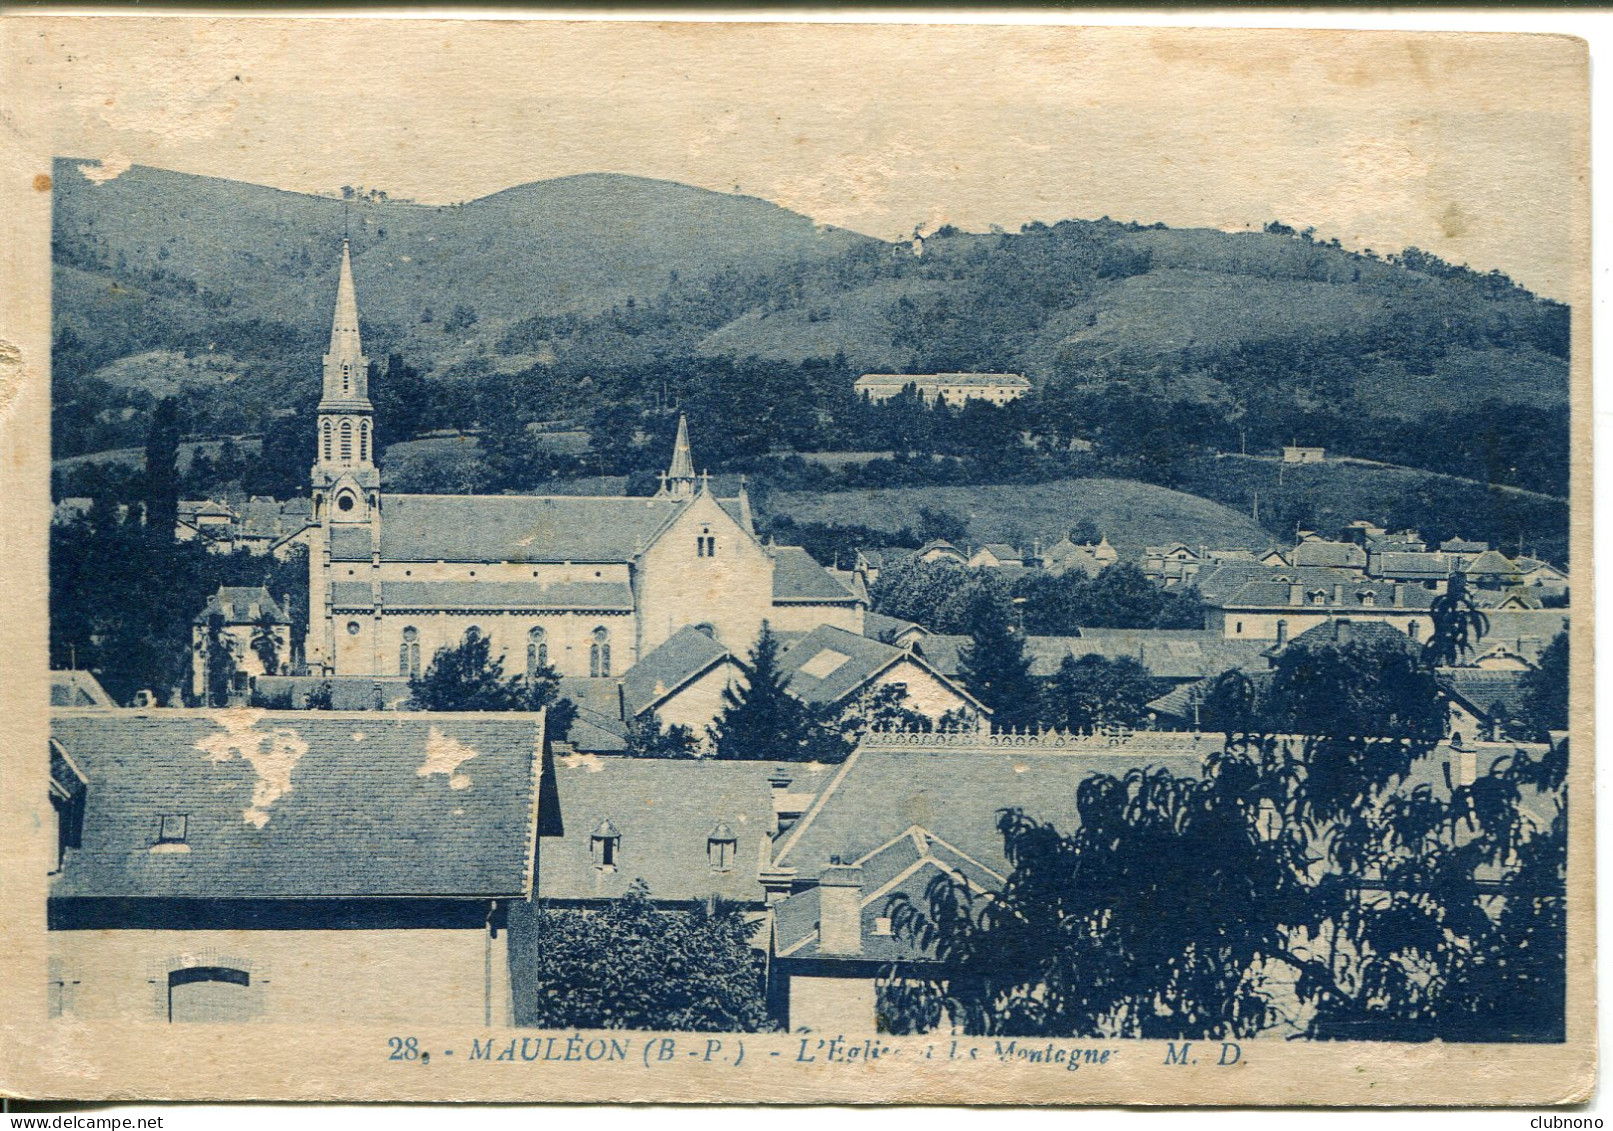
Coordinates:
345 424
344 327
679 479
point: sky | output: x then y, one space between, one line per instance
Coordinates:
1463 145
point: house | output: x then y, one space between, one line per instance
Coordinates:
953 388
77 689
1541 579
940 550
250 625
1420 568
1180 655
830 666
995 554
1173 565
289 866
902 809
1294 453
1286 603
1089 558
682 682
1492 570
1334 555
806 595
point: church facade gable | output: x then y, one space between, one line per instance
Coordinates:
704 569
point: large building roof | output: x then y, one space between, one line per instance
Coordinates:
302 804
664 812
501 596
956 786
1167 653
797 577
512 528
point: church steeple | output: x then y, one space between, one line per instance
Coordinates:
679 480
347 370
345 424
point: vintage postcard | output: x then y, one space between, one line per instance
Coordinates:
781 562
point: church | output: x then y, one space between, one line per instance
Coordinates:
586 585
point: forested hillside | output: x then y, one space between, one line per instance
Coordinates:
597 304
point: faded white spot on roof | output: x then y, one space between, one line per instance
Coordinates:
358 736
593 763
273 755
444 755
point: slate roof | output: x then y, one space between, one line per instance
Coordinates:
1526 631
303 804
1352 632
906 866
797 577
1462 546
1410 565
856 660
664 811
241 604
401 596
1491 563
681 657
876 794
1481 689
77 689
514 528
1319 553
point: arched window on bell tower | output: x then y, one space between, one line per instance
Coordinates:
346 447
326 438
364 442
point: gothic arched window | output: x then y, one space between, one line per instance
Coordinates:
327 439
346 445
599 653
409 653
364 442
537 651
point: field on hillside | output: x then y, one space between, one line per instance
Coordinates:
1132 515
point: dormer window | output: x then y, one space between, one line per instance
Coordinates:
606 845
1367 598
720 847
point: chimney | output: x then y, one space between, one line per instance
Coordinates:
1282 633
1338 593
840 912
1296 593
1400 596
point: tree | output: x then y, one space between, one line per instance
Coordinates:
218 660
1322 882
162 467
995 665
761 719
648 738
630 965
1545 689
1095 691
467 677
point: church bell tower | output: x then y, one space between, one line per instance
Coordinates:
344 475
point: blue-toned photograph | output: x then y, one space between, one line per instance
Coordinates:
851 558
